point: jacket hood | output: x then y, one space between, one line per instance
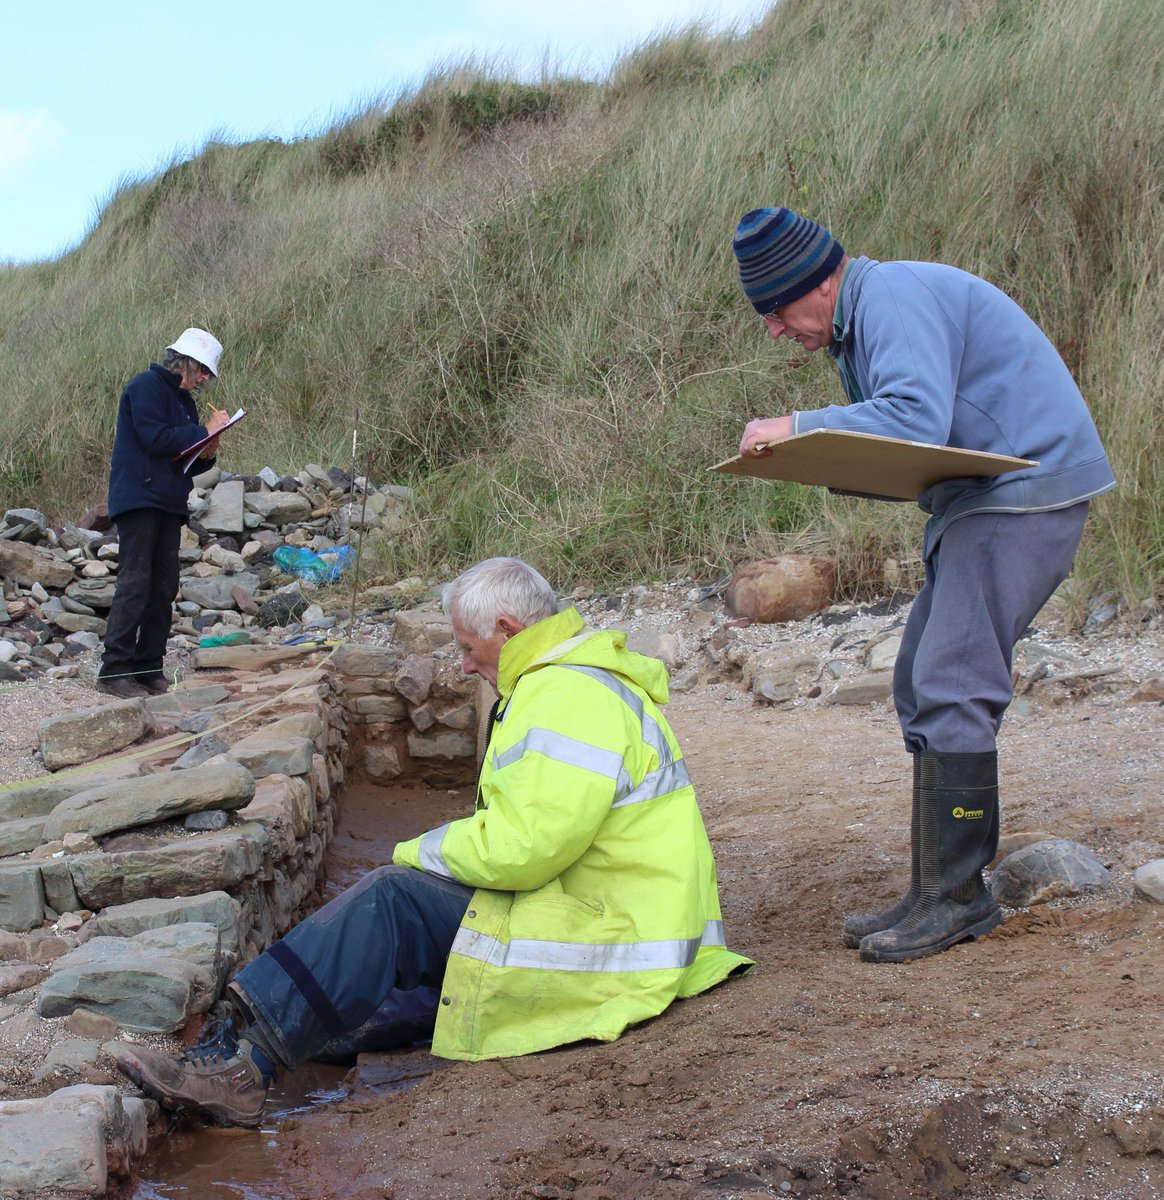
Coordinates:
564 638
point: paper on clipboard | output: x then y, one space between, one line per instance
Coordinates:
868 464
188 456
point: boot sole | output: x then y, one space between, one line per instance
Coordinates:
970 933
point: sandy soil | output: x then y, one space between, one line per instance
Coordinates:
1028 1064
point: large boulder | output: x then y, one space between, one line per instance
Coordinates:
789 587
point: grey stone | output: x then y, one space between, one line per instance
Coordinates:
40 798
26 565
415 678
657 643
96 593
881 652
201 752
278 508
139 990
421 632
82 736
211 820
78 623
127 920
1045 871
354 659
21 897
379 708
33 516
225 514
446 746
21 834
59 893
216 590
70 1056
16 976
869 689
264 755
382 763
201 862
1148 881
151 799
187 699
62 1144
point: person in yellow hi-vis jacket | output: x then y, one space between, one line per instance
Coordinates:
579 898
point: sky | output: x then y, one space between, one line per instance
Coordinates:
95 95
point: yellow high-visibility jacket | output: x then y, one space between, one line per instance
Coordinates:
596 901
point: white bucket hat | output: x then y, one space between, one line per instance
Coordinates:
201 346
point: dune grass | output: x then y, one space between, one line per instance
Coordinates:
520 294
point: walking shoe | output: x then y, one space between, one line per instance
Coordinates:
122 688
155 685
218 1077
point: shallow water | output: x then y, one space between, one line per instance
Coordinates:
205 1162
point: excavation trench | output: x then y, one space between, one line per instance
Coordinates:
191 1159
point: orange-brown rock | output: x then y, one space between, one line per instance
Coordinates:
788 587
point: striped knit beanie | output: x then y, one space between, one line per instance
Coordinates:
782 256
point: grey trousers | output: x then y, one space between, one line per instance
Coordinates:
985 582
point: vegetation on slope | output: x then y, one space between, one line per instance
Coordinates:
521 295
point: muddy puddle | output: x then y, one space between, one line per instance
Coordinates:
192 1160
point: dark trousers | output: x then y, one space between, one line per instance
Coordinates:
147 582
985 582
363 973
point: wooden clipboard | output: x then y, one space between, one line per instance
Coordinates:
869 465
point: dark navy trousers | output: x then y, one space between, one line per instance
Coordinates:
985 582
147 581
363 973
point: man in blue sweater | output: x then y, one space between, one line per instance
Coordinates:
933 354
156 420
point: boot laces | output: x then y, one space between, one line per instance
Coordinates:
219 1041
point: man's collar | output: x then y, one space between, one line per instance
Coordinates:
834 347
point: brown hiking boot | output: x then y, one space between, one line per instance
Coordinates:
155 686
217 1077
122 688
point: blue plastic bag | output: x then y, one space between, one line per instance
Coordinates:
301 562
325 567
336 561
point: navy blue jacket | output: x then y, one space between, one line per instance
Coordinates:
156 419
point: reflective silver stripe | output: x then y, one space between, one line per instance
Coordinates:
566 750
652 734
670 776
431 859
668 955
668 779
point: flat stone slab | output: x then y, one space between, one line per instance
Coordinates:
40 798
250 658
261 754
199 863
153 981
82 736
153 798
127 920
67 1143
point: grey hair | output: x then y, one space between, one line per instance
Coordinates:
181 364
498 587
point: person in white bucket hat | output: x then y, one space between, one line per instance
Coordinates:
157 420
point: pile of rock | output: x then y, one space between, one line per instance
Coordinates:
59 581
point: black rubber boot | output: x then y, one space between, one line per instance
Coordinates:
859 925
958 802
